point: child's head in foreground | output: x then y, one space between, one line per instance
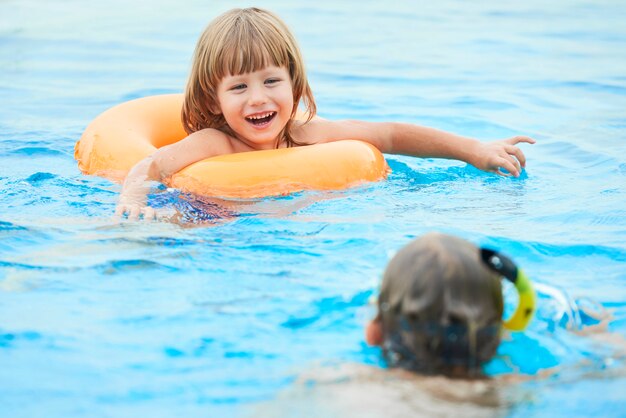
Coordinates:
439 309
237 42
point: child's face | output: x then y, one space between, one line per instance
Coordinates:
257 105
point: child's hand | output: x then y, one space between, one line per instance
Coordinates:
134 211
134 196
504 154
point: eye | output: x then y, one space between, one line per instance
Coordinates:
271 81
237 87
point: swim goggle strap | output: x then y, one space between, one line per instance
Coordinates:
507 268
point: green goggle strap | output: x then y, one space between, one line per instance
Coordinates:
526 305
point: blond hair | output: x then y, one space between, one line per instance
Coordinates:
440 307
238 42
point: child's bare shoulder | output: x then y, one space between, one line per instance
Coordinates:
315 131
208 141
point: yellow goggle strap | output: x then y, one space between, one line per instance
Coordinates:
526 305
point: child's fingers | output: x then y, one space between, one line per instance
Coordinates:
518 167
509 164
517 153
502 173
520 138
120 210
133 212
149 214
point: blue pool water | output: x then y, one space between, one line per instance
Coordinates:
223 311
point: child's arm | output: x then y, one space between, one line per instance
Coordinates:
163 163
420 141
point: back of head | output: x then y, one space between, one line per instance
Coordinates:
440 307
237 42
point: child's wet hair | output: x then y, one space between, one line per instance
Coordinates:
440 308
238 42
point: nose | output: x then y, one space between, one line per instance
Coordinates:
257 96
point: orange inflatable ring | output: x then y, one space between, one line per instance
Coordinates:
127 133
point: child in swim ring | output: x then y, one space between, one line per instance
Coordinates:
246 82
439 308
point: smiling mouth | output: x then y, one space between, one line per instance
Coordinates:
261 118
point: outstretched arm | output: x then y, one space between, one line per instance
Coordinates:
429 142
420 141
162 164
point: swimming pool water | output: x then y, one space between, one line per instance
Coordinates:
212 315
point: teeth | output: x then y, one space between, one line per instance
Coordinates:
261 116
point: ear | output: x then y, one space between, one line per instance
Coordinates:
374 333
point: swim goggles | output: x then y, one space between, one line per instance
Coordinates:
507 268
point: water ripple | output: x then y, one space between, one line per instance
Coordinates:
8 339
8 226
127 266
40 177
327 308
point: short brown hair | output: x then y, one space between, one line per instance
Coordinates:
238 42
440 307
